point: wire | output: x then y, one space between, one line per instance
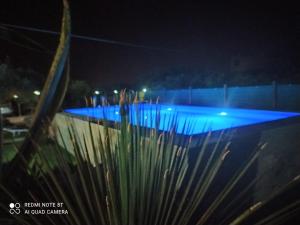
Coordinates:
32 41
22 45
41 48
88 38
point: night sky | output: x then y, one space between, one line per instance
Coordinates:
198 35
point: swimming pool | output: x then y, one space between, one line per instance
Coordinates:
185 119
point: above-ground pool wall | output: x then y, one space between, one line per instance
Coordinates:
242 146
279 162
64 124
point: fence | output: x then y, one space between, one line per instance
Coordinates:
273 96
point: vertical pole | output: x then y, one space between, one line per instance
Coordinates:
275 94
1 140
19 109
190 95
225 95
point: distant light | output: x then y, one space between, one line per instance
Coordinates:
117 113
36 92
15 96
116 91
144 90
97 92
169 109
223 114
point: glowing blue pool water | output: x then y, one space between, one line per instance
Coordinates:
185 119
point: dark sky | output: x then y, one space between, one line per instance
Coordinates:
204 35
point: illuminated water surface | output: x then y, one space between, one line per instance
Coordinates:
188 119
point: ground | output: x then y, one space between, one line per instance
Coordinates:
46 146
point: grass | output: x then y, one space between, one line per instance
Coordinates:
9 152
11 148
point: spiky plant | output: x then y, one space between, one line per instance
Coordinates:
142 176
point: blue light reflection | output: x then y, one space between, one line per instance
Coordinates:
189 119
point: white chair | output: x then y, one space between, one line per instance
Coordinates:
15 131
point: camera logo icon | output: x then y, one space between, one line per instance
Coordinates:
14 208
